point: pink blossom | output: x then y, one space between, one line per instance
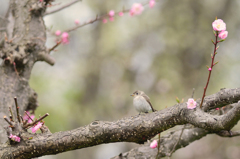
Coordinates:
191 104
76 21
111 13
217 108
136 9
154 144
111 19
25 117
40 0
58 32
151 3
120 14
14 138
209 69
36 127
65 38
104 20
223 34
219 25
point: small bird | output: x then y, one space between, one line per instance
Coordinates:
142 102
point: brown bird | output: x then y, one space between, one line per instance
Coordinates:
142 102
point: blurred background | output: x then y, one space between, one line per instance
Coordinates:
164 52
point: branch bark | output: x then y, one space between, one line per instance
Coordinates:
136 129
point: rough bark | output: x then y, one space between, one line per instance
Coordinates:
136 129
22 47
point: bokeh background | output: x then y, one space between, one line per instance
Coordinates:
164 52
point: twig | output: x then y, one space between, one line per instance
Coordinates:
33 123
158 145
28 115
17 108
11 116
8 121
170 154
99 18
62 7
56 45
210 71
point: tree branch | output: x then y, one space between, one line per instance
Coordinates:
136 129
62 7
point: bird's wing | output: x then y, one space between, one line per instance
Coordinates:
148 100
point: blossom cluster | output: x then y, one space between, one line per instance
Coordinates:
219 26
14 138
136 9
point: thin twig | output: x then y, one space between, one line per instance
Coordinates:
210 71
177 142
56 45
17 108
62 7
99 18
35 122
8 121
158 145
28 116
11 116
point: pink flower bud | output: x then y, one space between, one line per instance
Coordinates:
14 138
76 22
111 13
151 3
58 32
65 38
120 14
111 19
104 20
154 144
209 69
223 34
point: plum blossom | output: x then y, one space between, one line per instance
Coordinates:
104 20
65 38
14 138
191 104
36 127
111 13
136 9
223 34
58 32
151 3
120 14
219 25
111 19
76 21
25 117
154 144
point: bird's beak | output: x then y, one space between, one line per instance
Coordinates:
132 95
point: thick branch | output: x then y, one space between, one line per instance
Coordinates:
136 129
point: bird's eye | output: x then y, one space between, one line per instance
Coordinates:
137 93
